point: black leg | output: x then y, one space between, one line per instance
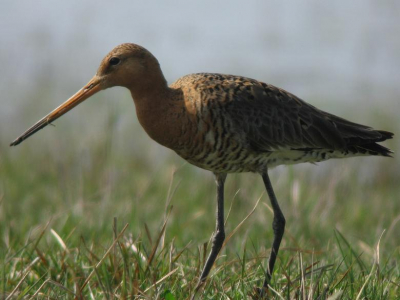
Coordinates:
219 235
278 226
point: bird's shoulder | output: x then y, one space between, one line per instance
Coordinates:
233 86
237 94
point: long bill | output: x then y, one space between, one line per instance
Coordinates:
87 91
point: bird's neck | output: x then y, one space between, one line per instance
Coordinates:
151 85
156 104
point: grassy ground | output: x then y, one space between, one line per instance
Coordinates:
82 218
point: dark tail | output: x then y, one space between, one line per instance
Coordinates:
370 146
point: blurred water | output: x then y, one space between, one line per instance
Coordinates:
336 54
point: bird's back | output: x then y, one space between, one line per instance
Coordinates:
242 124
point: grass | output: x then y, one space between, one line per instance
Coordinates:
79 220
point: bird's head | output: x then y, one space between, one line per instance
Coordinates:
127 65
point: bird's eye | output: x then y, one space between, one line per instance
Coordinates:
114 61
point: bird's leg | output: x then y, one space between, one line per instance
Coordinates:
219 235
278 226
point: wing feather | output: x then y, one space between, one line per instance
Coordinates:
269 118
272 118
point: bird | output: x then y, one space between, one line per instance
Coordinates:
226 124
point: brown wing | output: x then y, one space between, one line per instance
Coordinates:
272 118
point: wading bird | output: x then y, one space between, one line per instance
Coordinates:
226 124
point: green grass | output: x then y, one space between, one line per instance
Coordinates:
95 217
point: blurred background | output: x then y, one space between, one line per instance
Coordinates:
341 56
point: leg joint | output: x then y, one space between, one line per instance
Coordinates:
219 235
279 223
218 240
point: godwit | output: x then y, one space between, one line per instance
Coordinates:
226 124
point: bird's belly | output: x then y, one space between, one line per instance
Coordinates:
246 160
224 163
233 160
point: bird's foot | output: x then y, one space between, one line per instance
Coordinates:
197 290
260 293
